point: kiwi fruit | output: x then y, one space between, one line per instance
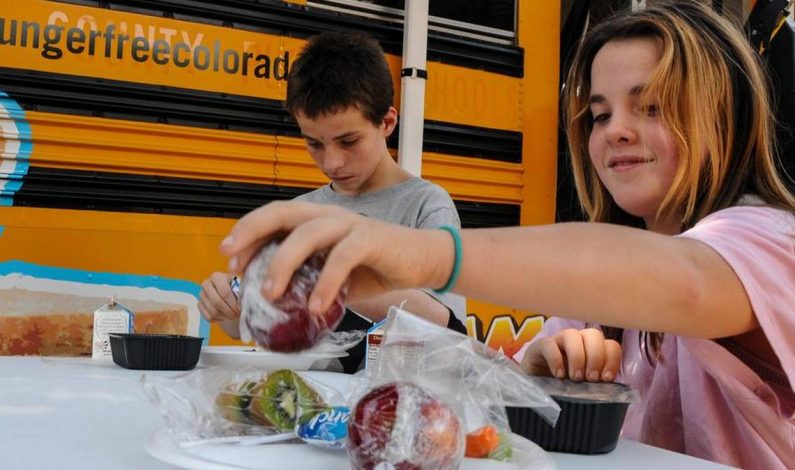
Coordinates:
233 401
504 450
281 398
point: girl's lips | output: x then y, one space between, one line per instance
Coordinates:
621 164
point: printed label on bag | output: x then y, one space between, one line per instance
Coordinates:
328 429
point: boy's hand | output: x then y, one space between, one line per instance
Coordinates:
217 302
576 354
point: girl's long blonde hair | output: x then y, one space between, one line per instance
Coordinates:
712 94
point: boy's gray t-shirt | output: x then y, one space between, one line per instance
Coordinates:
414 203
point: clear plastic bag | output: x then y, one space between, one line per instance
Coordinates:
452 371
215 405
285 325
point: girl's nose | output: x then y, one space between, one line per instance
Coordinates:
622 128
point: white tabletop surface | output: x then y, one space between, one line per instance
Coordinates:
76 413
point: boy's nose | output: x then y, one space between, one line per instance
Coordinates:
333 161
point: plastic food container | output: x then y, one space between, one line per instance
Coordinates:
591 417
155 352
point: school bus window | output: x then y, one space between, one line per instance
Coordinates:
497 14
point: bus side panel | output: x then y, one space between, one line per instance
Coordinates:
58 266
172 253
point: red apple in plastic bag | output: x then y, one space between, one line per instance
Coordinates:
285 325
400 425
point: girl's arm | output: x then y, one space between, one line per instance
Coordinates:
600 273
607 274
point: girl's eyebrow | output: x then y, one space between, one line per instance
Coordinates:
637 89
594 99
634 91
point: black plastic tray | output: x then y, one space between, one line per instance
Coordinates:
155 352
583 427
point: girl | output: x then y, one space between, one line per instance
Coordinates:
692 238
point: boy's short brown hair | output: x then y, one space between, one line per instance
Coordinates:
338 70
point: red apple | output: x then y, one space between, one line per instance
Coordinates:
285 325
402 426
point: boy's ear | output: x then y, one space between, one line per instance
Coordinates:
390 121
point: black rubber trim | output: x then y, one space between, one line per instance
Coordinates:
488 214
414 72
278 17
469 141
122 192
67 94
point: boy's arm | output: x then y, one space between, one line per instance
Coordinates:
231 327
417 302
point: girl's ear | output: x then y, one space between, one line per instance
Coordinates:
390 121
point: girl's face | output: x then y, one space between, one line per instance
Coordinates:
634 155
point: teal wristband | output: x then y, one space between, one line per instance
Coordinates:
456 263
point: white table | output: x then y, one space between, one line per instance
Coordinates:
75 413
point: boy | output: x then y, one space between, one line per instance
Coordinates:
340 93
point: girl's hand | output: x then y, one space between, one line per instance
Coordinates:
374 256
576 354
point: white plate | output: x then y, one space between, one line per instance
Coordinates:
287 455
249 356
280 456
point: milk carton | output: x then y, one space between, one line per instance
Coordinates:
375 335
112 317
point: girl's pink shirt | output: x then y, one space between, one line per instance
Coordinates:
700 399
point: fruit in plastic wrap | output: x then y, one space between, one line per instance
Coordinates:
481 442
285 325
233 401
402 426
488 442
282 399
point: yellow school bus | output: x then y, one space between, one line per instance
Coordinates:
135 132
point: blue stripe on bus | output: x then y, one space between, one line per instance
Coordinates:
22 157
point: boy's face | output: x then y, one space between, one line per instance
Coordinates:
347 147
